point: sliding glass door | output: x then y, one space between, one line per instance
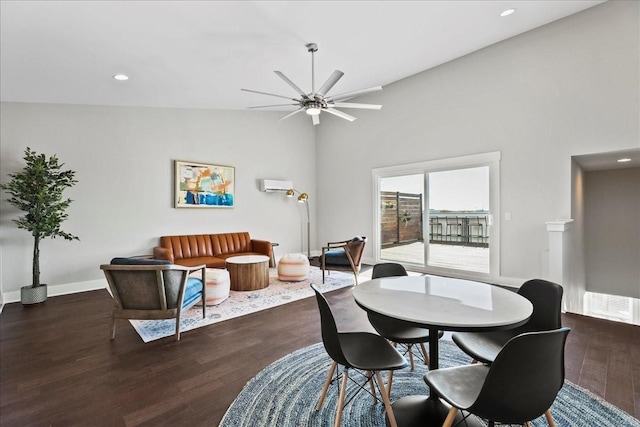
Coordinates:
436 217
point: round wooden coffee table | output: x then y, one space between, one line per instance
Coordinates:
248 272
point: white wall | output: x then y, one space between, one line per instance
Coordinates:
568 88
612 231
123 202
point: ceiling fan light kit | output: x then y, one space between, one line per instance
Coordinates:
319 101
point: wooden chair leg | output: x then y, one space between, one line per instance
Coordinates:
178 326
343 390
425 354
385 399
474 361
389 382
373 389
113 327
409 346
451 416
326 385
550 420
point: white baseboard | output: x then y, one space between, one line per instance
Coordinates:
52 291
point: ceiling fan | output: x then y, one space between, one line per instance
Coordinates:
318 101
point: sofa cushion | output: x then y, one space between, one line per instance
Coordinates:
210 262
138 261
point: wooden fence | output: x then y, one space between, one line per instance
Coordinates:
400 217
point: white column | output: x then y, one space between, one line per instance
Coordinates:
559 264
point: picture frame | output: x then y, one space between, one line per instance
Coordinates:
204 185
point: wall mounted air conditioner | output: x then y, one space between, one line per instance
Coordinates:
271 185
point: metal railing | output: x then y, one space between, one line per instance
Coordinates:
468 229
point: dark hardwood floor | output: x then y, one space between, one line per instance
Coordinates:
59 368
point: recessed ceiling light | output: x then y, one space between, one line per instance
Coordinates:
623 160
507 12
121 77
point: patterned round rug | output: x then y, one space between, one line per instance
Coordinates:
285 394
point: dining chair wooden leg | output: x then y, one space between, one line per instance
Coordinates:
410 351
474 361
550 420
385 399
373 389
343 391
326 385
389 381
451 416
425 354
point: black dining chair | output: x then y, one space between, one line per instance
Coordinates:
398 331
546 298
519 386
362 351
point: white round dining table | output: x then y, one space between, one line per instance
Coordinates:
440 304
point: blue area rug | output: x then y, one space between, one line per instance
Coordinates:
285 394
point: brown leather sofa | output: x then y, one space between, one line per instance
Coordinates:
209 249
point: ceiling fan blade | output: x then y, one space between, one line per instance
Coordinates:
339 114
331 81
270 94
355 105
346 95
292 84
292 113
275 105
315 119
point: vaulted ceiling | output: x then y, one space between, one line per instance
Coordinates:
198 54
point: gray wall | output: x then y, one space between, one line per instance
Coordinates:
124 199
568 88
612 231
565 89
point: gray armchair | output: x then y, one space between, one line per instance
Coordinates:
148 289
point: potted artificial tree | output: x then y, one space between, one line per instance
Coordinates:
37 190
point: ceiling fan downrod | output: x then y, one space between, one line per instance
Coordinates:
313 48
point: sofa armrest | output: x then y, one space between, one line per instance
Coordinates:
261 246
163 253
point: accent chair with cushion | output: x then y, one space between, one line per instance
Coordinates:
148 289
344 255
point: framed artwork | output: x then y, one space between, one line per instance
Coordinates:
203 185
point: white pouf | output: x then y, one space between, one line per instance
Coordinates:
218 285
293 267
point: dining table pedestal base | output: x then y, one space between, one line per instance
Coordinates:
421 411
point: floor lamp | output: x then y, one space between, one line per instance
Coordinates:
303 198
